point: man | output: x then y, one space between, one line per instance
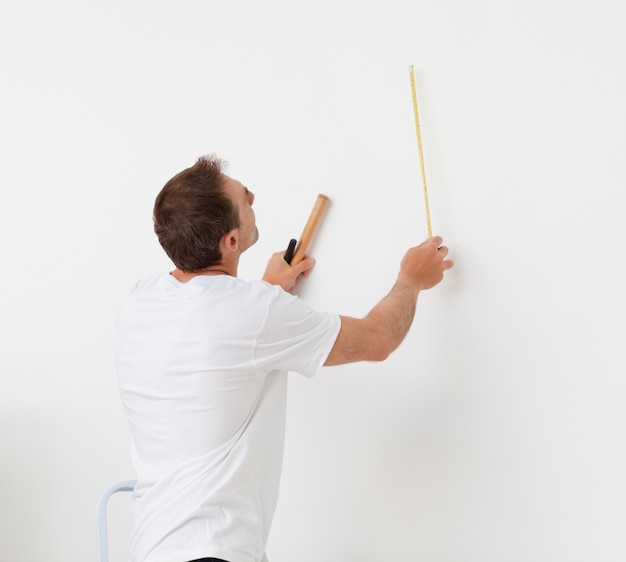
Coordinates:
202 360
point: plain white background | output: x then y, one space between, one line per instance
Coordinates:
497 431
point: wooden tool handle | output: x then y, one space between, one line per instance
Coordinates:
310 227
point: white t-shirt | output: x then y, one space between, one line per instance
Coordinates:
202 368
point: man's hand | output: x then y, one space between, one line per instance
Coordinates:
279 272
423 266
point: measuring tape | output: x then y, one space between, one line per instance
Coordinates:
419 146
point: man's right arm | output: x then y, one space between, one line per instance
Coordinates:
377 335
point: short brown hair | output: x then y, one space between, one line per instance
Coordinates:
192 213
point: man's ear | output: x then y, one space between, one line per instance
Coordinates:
230 240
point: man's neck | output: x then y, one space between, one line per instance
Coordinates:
220 269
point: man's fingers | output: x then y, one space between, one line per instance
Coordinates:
304 265
437 240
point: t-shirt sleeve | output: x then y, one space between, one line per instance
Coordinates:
294 337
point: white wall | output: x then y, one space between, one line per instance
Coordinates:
496 432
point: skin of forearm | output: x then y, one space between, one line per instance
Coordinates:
376 336
391 319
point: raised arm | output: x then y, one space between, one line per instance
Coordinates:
374 337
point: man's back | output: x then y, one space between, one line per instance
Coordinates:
202 369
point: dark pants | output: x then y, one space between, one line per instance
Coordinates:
208 560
